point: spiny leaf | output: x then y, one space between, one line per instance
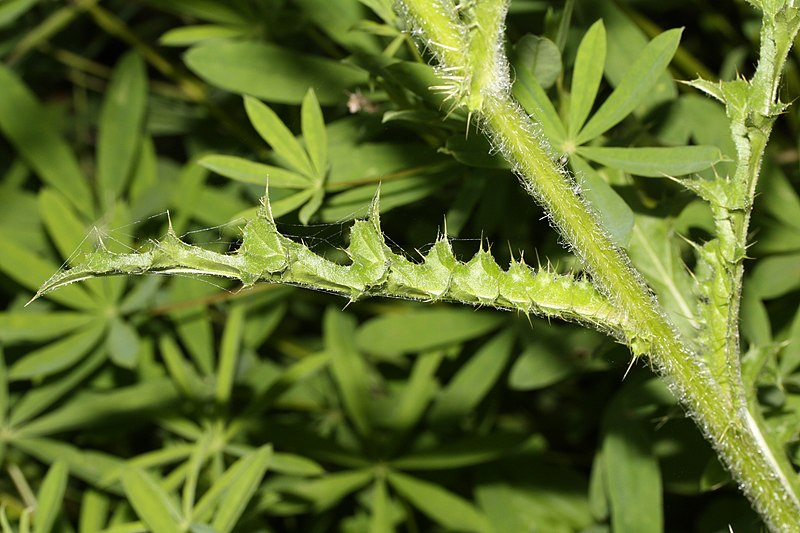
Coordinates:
266 255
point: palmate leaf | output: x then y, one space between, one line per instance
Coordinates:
233 490
270 127
266 255
634 87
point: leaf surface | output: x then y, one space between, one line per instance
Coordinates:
272 73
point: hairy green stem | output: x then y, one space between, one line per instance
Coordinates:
765 477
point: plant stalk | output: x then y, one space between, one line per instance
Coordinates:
766 478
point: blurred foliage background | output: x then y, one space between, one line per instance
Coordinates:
177 404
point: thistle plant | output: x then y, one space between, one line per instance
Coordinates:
690 337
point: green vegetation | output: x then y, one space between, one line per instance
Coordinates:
141 138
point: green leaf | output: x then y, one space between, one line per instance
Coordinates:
755 325
246 171
530 494
537 368
58 355
189 35
380 521
193 322
312 206
50 497
598 493
96 468
11 10
314 134
272 73
292 375
423 329
625 41
121 119
540 56
151 502
4 523
325 492
89 408
474 380
347 366
229 354
710 88
238 485
779 198
444 507
657 162
4 403
26 125
640 78
775 276
354 202
657 255
275 132
40 398
123 343
536 102
383 8
790 354
337 20
632 471
475 151
468 452
181 371
417 392
68 232
586 76
290 203
211 10
287 463
94 511
22 326
613 211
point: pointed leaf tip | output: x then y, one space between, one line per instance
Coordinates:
265 209
374 213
